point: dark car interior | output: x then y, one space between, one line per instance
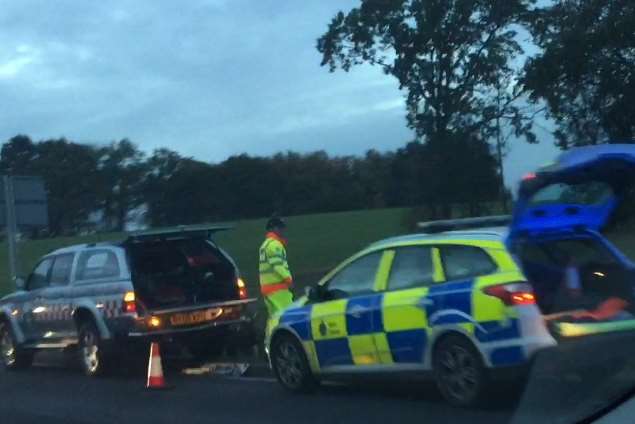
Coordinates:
601 275
181 272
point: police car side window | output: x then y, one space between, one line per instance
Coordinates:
411 267
96 264
465 261
39 278
358 277
61 270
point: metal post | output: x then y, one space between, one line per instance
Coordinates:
499 150
12 229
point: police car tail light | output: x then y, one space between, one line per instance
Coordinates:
129 302
242 288
512 294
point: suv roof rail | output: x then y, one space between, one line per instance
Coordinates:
178 232
464 223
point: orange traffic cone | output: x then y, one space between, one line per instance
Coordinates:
155 369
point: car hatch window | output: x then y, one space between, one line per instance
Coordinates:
465 261
61 270
39 278
96 264
358 277
412 267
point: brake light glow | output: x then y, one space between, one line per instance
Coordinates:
523 298
512 294
129 302
242 289
529 176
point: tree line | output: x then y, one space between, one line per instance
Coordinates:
103 186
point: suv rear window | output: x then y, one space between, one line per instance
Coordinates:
95 264
465 261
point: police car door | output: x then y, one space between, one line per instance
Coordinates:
343 326
404 304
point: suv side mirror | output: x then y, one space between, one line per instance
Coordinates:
20 283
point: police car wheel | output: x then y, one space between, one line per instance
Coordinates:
459 371
291 366
92 358
12 356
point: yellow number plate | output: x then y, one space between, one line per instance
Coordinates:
196 317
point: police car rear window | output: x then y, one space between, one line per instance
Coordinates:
412 267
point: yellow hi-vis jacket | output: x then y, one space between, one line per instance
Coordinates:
273 267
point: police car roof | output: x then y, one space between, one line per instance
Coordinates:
484 234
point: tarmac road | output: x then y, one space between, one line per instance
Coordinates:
564 386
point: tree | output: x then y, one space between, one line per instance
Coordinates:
70 175
448 55
121 170
18 156
469 178
586 71
179 190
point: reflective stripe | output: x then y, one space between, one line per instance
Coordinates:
363 349
404 309
381 279
275 261
438 275
268 289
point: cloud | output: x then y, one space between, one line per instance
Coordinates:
22 56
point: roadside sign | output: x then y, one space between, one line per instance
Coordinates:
22 203
31 208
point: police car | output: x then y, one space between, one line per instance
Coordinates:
467 304
175 285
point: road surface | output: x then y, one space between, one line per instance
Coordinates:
562 388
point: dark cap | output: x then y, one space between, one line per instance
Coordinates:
275 222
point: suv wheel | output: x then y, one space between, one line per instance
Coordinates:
13 357
93 360
459 371
291 366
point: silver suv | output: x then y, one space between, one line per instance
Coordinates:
173 285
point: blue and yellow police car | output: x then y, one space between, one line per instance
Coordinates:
465 303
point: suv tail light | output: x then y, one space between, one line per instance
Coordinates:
242 289
129 302
512 294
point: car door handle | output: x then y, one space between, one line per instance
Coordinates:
356 311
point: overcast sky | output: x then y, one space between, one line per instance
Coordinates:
207 78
